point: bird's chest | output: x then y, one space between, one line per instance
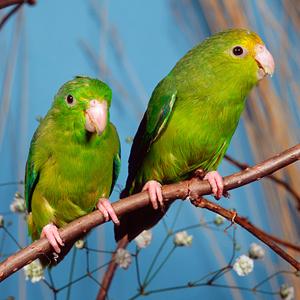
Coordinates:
198 136
204 124
76 172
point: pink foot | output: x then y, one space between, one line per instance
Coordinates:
50 232
154 189
216 182
105 207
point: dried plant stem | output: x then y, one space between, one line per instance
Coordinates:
9 14
234 218
193 188
6 3
278 181
18 4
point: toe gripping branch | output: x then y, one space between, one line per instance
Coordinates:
201 202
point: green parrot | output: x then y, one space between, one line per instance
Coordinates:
191 117
73 161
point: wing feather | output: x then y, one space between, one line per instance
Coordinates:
151 127
31 174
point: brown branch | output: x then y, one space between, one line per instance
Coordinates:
6 3
242 221
281 182
110 271
9 14
18 5
281 241
193 188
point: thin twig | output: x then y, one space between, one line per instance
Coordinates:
233 217
18 5
6 3
281 182
110 271
9 14
11 183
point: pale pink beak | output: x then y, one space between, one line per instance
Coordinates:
264 60
96 116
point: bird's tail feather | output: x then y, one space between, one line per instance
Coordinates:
132 224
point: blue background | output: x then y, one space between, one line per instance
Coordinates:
139 42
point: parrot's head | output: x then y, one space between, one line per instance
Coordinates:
245 50
234 57
82 105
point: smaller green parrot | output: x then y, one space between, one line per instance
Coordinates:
73 161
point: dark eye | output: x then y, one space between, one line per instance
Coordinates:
237 51
70 100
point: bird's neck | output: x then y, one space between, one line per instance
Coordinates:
74 132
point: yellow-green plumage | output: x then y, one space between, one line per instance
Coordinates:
69 169
191 117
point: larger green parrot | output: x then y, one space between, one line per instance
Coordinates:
191 117
73 161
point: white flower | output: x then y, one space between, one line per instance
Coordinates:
256 251
18 204
1 220
182 239
287 292
80 244
34 271
123 258
144 239
243 265
219 220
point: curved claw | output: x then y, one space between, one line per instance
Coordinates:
106 209
50 232
154 190
216 182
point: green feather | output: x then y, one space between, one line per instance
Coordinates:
116 168
31 177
